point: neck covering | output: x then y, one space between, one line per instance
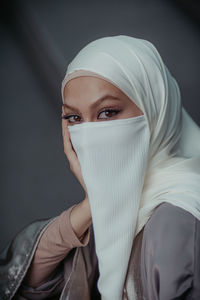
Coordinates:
168 140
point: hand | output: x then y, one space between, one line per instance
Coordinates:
71 155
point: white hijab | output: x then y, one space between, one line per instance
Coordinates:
135 66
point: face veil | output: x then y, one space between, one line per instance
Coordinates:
108 152
132 165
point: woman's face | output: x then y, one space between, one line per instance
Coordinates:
92 99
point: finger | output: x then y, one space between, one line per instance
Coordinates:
66 134
63 121
68 148
64 125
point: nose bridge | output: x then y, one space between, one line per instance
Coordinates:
89 116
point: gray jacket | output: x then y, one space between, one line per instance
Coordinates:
75 278
164 263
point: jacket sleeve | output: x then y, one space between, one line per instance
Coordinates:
16 259
55 244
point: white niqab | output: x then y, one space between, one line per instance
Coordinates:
132 165
108 152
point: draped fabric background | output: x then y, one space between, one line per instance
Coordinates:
38 39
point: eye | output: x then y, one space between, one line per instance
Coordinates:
109 113
67 117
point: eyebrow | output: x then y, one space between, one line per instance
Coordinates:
100 100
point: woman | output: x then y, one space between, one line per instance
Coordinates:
136 153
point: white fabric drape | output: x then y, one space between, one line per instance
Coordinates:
108 152
173 168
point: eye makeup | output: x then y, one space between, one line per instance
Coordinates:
111 110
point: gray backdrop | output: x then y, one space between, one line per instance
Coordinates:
38 40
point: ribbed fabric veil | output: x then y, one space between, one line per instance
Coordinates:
108 152
171 145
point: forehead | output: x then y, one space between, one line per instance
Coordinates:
90 88
87 91
89 83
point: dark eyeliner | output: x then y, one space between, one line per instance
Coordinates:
110 109
67 116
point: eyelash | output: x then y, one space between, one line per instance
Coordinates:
105 110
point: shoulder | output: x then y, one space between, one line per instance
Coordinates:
170 250
172 221
170 230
